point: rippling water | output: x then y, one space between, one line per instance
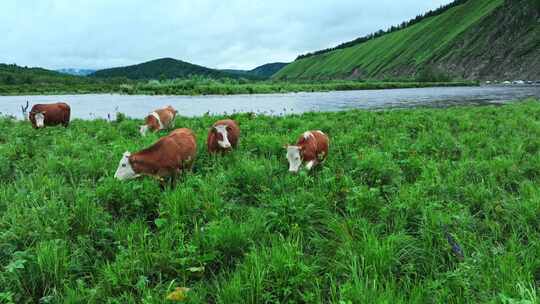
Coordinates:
101 105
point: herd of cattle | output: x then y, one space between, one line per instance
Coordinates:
176 152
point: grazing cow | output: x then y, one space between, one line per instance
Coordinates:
311 149
42 115
223 136
169 156
158 120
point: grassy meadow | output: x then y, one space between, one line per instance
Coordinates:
412 206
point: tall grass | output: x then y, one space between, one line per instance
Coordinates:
370 226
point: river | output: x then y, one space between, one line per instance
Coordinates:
89 106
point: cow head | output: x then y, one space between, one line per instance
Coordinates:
40 119
294 156
222 136
125 170
173 110
143 130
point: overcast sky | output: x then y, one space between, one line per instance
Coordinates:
216 33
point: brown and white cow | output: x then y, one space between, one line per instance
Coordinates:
223 136
42 115
310 149
158 120
169 156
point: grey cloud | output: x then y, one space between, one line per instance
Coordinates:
222 34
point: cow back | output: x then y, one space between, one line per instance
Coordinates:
314 146
168 155
55 114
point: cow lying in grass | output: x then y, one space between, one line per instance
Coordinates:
223 136
160 119
310 149
169 156
52 114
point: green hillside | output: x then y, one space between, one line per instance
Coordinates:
264 71
402 53
12 74
267 70
164 68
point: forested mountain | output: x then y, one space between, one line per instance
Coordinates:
12 74
164 68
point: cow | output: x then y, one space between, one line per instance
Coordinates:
223 136
169 156
42 115
311 149
158 120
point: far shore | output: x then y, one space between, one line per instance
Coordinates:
189 88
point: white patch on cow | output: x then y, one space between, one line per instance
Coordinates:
294 158
40 119
222 129
156 115
125 170
143 130
310 164
307 135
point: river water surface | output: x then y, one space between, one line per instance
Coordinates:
90 106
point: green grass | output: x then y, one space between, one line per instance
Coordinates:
367 227
410 47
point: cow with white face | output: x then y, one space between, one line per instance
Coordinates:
169 156
160 119
223 136
310 149
42 115
125 170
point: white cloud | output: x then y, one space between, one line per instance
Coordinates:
223 34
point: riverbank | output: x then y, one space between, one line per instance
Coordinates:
201 86
424 205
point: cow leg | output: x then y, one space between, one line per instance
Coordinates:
162 186
311 164
173 180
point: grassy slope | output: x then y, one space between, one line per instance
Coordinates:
365 228
409 47
264 71
484 52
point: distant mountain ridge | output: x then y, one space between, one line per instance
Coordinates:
263 71
163 68
76 72
472 39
